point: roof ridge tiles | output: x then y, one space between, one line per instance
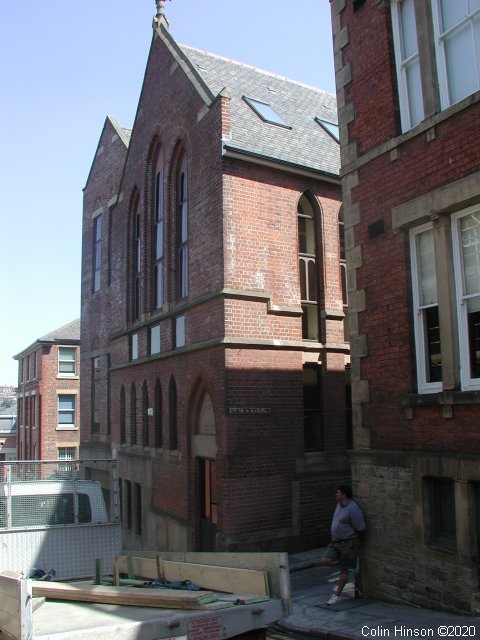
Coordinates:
253 68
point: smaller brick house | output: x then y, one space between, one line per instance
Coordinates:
49 396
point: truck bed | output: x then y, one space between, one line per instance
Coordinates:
54 619
84 621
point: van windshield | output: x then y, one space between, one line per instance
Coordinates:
46 510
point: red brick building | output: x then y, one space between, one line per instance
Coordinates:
48 410
213 350
409 106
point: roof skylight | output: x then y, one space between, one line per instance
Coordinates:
330 127
266 112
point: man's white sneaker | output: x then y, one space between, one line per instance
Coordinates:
334 599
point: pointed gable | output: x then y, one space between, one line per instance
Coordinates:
112 147
302 143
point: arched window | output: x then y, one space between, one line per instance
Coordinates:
182 228
158 437
145 438
158 234
133 415
343 271
206 416
136 256
123 429
307 256
172 416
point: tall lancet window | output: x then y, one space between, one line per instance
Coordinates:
136 257
308 268
158 234
182 228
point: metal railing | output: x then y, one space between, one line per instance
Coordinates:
58 493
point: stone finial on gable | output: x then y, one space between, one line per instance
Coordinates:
160 16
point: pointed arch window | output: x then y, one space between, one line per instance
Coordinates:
172 416
307 268
136 257
158 235
182 228
133 415
97 252
158 437
206 416
343 273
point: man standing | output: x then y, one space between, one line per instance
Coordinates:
348 522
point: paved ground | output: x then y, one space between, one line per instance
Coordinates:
355 619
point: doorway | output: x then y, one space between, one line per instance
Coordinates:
207 503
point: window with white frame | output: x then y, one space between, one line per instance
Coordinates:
407 63
66 455
66 411
457 42
425 310
460 345
466 252
67 361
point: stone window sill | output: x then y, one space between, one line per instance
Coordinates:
444 399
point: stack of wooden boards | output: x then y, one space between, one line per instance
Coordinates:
220 587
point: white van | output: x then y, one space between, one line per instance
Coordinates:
44 503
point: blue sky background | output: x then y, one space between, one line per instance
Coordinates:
64 66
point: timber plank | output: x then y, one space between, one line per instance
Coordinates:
15 607
239 598
130 596
226 579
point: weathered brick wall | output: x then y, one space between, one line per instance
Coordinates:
100 191
242 239
383 181
383 169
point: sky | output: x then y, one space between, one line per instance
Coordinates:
65 66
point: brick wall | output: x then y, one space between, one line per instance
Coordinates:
401 438
243 301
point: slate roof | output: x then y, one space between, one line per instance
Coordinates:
306 144
70 331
